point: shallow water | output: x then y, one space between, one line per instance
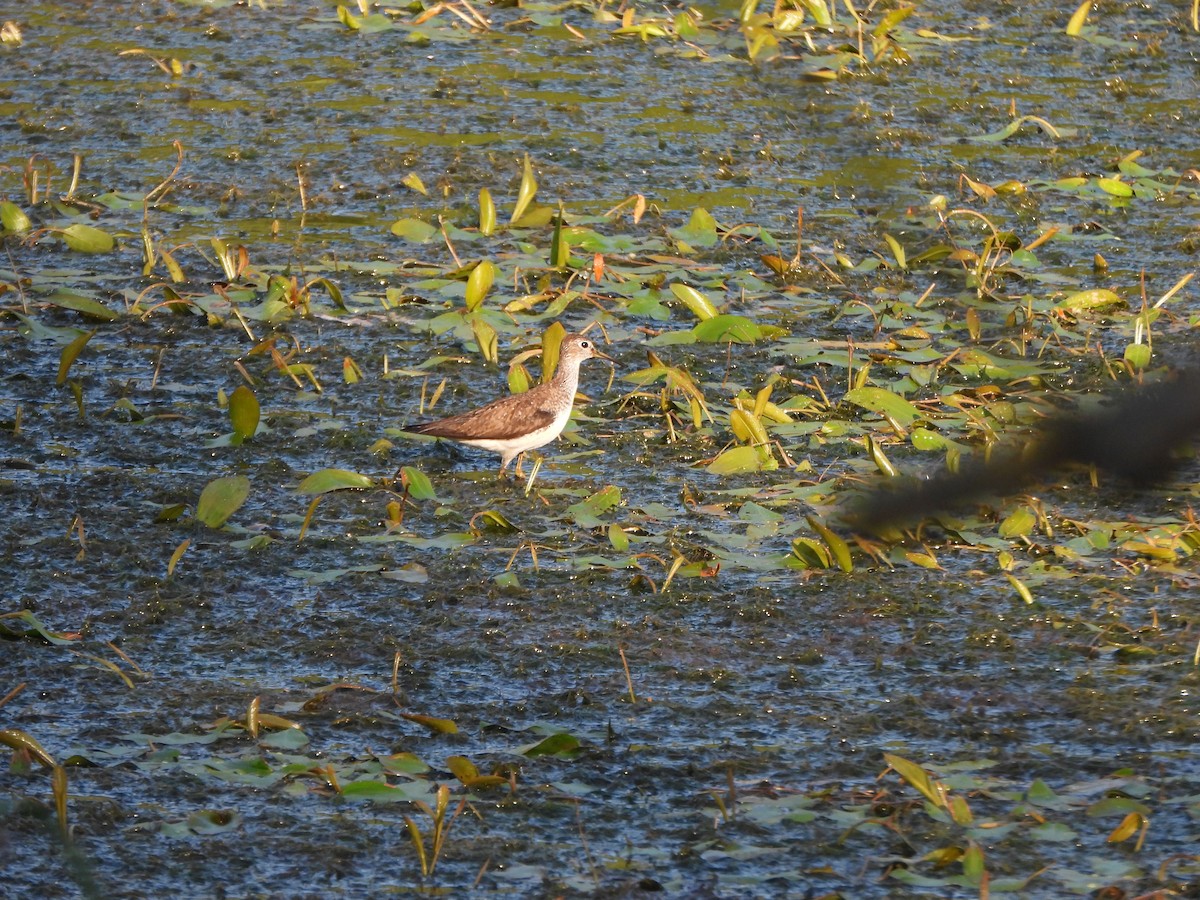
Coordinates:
787 685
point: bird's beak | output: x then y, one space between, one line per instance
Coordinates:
599 355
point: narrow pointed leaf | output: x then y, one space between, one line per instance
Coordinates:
69 355
487 213
552 339
1075 25
527 192
837 547
441 726
560 250
413 182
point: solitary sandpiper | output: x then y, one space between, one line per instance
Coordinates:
511 425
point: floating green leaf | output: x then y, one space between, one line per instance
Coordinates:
13 218
213 821
88 238
586 513
561 744
1115 187
1015 125
369 24
417 484
700 231
378 791
81 304
221 498
243 413
325 480
701 307
738 460
728 328
886 403
414 230
1096 298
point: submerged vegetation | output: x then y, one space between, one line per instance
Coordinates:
827 247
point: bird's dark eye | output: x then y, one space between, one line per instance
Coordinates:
586 345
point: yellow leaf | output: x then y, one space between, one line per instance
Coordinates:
69 354
412 181
479 282
526 194
244 412
176 556
441 726
1127 829
487 213
1078 18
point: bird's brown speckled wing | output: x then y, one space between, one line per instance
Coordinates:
501 419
